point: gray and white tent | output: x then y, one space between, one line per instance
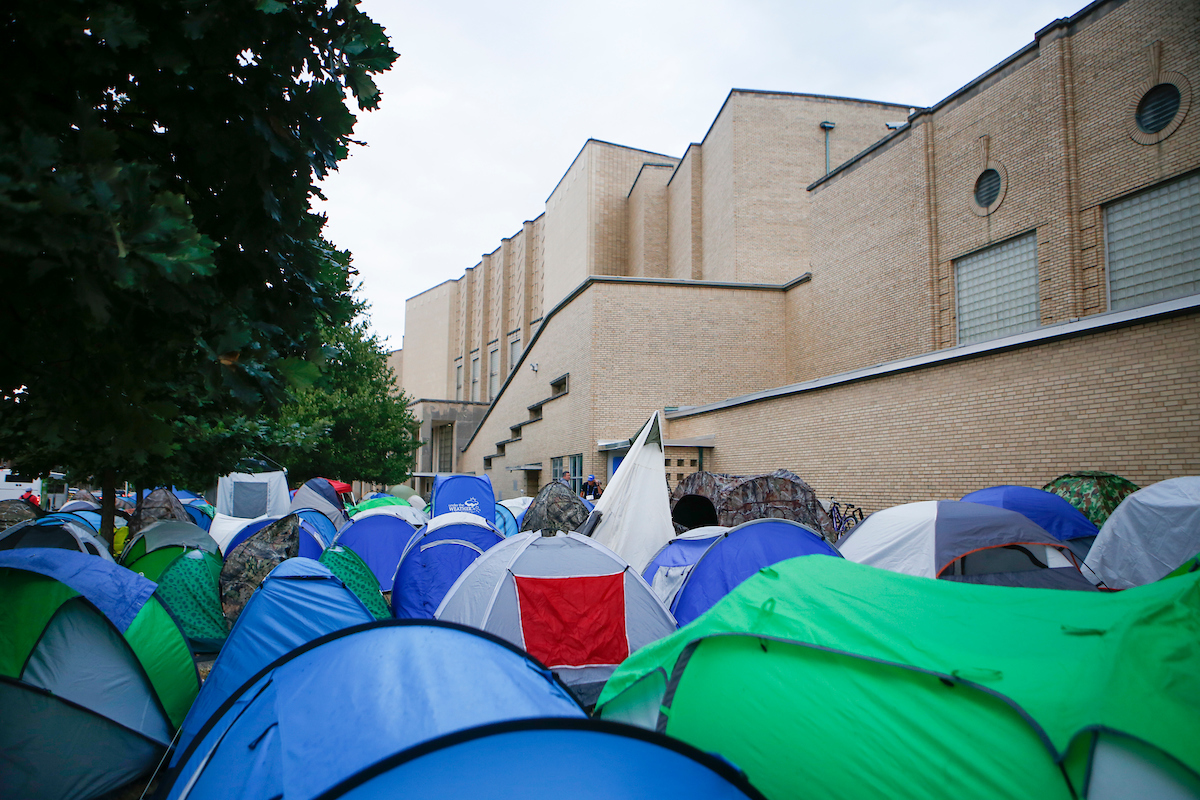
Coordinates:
1152 532
966 542
319 494
58 530
571 603
253 494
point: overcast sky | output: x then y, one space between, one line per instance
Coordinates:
490 102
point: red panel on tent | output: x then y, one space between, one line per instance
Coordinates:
574 622
339 487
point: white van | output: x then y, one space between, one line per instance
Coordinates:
12 485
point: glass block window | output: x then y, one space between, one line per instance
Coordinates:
514 354
458 382
998 290
475 379
1154 244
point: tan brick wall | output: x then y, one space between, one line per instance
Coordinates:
395 362
778 150
613 390
717 204
567 222
648 219
685 246
868 300
1125 401
429 324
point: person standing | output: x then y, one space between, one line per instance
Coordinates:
31 498
591 489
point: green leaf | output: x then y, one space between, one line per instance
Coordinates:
299 373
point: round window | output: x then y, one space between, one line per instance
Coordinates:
987 188
1158 107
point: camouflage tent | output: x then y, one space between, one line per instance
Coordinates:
556 508
249 562
712 498
14 511
158 505
1096 494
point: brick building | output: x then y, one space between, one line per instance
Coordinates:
896 303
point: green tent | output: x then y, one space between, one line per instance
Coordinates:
95 675
358 577
190 586
1096 494
186 563
820 677
376 502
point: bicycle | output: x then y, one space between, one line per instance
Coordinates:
844 517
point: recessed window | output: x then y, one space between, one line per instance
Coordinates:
1158 107
987 188
998 290
1153 239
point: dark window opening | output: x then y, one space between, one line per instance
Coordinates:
1158 107
987 188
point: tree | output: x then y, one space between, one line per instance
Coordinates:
161 264
368 432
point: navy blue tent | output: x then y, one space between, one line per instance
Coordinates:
592 760
470 493
1051 512
506 523
671 565
740 553
379 541
198 517
299 601
335 706
312 540
433 560
319 522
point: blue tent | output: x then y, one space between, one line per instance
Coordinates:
380 542
506 523
740 553
319 522
312 540
299 601
198 516
592 760
671 565
470 493
1052 513
335 706
433 560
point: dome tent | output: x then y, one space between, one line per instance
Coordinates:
739 553
358 578
379 540
435 557
619 762
14 511
249 561
556 508
160 504
320 494
1153 532
806 656
412 516
1096 494
1047 510
471 494
569 601
400 683
506 521
299 601
670 566
713 498
95 676
186 564
965 542
64 531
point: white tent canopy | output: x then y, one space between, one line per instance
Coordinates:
570 602
633 516
1152 532
249 495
